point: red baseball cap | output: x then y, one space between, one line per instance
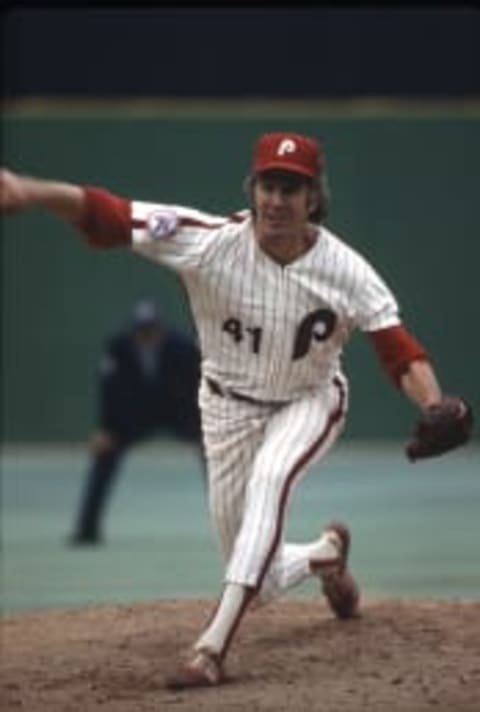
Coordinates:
289 152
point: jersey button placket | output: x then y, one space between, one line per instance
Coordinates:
281 337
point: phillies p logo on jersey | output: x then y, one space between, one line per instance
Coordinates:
316 326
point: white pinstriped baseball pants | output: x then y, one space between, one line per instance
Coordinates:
256 456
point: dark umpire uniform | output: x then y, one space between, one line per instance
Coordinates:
148 382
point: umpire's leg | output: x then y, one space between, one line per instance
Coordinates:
107 453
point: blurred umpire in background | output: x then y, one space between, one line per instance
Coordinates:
148 381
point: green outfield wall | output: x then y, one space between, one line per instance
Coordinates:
405 192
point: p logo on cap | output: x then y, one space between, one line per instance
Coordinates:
287 146
288 151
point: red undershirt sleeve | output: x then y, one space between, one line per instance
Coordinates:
396 348
106 220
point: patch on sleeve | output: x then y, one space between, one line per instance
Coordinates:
161 223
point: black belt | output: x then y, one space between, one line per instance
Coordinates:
216 388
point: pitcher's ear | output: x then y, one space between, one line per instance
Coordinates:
313 200
247 186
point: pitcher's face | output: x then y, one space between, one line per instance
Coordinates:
282 202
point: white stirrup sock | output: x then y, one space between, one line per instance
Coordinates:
298 558
325 548
226 618
294 565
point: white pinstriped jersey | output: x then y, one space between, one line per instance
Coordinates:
268 331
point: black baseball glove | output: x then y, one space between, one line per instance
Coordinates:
442 427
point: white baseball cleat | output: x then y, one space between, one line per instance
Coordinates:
338 585
204 669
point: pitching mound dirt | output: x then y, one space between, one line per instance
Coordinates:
290 657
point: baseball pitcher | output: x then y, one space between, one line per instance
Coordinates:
275 295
